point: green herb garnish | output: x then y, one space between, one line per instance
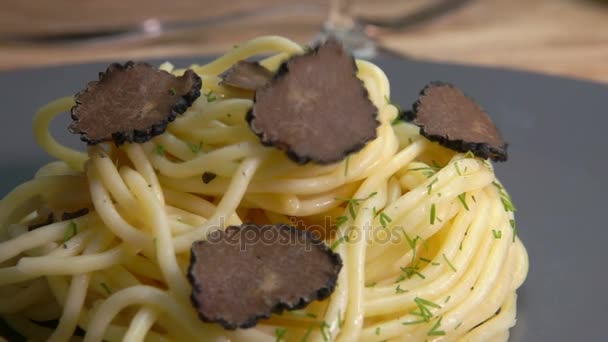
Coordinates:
195 148
385 219
463 200
448 262
497 234
172 91
106 287
434 331
352 203
433 213
514 227
430 186
340 220
377 331
280 334
159 150
210 96
457 169
398 289
338 242
324 331
70 231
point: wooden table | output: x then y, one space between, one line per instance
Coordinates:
562 37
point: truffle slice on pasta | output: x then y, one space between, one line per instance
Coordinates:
247 272
446 115
315 107
132 103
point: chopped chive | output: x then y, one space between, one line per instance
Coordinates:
448 262
346 162
458 325
427 302
377 331
371 284
340 220
428 261
400 278
436 166
469 154
106 287
514 227
497 234
351 210
159 150
430 186
473 198
324 333
398 289
447 299
434 331
460 246
413 322
337 243
433 213
463 200
457 169
195 148
307 334
70 231
340 321
435 264
385 220
280 334
210 96
374 212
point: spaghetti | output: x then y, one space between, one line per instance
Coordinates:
426 234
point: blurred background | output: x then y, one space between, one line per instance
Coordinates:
560 37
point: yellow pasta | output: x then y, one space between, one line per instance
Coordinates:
426 234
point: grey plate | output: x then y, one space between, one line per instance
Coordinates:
556 174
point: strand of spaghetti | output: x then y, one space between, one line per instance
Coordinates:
252 47
72 265
147 295
38 237
140 324
112 219
356 249
155 216
304 186
111 179
42 119
142 165
212 161
77 292
497 325
226 207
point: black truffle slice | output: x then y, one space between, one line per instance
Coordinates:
132 102
446 115
315 107
247 75
248 272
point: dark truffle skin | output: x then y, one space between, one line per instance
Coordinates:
446 115
132 103
315 107
247 272
247 75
